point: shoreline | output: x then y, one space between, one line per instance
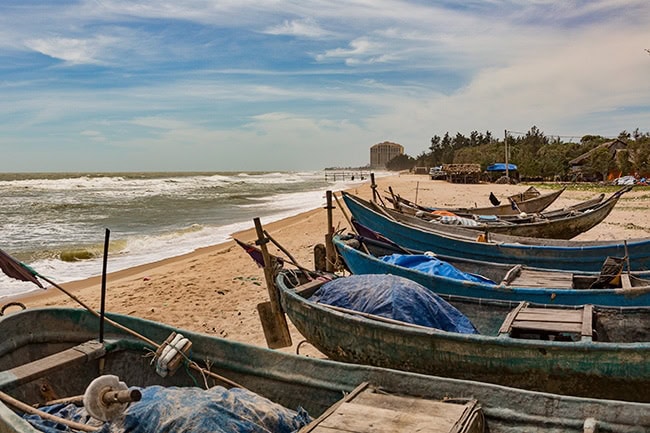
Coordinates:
215 290
247 235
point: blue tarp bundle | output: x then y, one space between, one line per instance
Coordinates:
395 298
185 410
433 266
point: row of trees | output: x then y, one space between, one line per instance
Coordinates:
537 156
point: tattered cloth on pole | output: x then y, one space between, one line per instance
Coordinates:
258 257
15 269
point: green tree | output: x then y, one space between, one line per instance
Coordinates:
553 160
401 162
623 162
535 154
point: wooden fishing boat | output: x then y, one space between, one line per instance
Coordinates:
495 247
586 351
557 226
406 206
446 275
55 351
523 202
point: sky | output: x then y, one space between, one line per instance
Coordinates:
266 85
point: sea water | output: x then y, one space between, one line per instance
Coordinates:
56 222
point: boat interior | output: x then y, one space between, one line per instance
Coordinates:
612 276
522 320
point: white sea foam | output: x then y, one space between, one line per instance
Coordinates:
75 210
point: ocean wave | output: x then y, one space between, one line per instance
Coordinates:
55 223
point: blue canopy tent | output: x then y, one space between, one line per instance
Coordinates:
500 166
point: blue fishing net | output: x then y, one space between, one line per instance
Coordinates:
185 410
433 266
395 298
69 412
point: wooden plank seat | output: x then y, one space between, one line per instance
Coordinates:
25 373
548 323
626 283
367 409
522 277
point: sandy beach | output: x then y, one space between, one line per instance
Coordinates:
215 290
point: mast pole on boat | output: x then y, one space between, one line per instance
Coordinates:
505 142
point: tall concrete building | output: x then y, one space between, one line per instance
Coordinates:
381 153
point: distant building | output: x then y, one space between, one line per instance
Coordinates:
381 153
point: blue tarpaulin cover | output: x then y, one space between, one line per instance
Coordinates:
185 410
433 266
395 298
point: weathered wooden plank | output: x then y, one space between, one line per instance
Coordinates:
549 326
512 274
360 418
309 286
367 410
530 278
33 370
410 404
625 281
507 323
312 426
554 320
543 315
587 319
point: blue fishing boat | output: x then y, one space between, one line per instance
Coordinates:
587 351
493 247
54 353
485 280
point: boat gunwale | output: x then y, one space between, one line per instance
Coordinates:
500 287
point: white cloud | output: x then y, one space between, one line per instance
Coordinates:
93 135
307 28
360 51
72 50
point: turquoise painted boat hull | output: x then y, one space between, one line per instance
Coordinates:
616 366
291 380
360 262
569 255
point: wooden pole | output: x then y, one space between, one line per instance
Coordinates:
329 246
396 205
274 322
505 142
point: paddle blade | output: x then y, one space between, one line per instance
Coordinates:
274 325
15 269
